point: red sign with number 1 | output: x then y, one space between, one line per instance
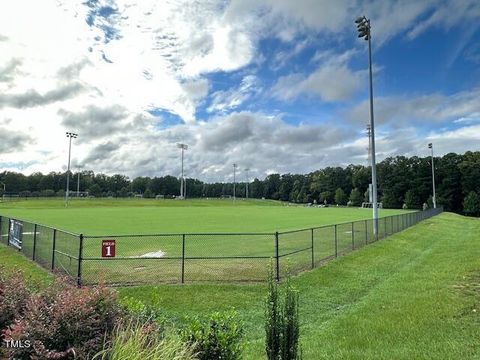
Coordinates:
108 248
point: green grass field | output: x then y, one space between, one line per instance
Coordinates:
160 262
148 216
414 295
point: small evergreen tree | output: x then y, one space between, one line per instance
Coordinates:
282 327
273 326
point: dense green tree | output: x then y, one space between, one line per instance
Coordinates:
95 190
356 197
471 204
148 194
412 199
389 201
140 184
340 197
326 197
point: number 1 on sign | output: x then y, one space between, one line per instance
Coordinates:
108 248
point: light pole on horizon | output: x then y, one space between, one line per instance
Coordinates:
182 179
430 146
70 135
234 173
246 187
364 31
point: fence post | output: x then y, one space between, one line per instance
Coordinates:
1 229
80 256
53 248
313 255
34 241
385 228
336 247
277 258
366 232
353 237
391 228
183 258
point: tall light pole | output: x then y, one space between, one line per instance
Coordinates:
182 179
234 173
430 146
364 31
70 135
246 187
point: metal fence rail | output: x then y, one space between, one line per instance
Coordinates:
181 258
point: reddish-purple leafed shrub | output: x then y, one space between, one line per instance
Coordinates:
63 321
13 296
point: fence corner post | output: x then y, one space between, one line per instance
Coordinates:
277 257
183 258
53 248
80 255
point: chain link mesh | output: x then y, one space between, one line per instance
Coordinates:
179 258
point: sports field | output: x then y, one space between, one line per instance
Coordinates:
149 216
243 242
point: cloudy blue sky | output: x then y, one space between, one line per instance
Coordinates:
272 85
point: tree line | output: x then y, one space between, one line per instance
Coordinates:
402 182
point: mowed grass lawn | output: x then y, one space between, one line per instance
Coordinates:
147 216
414 295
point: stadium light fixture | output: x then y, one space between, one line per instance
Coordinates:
430 146
364 31
234 173
183 188
246 187
70 135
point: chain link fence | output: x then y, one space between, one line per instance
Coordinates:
53 249
181 258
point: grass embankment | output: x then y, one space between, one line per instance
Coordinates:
414 295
